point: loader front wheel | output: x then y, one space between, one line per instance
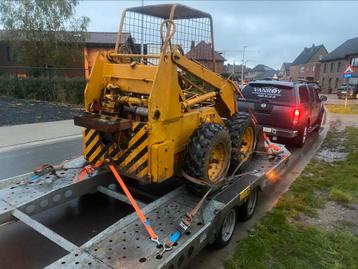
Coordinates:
208 156
243 137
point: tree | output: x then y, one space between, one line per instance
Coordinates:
43 32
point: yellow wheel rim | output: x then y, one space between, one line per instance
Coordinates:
247 144
217 162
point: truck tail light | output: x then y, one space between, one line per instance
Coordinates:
296 116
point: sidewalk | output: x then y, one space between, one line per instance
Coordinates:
24 134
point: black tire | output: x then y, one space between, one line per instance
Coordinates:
300 139
319 122
200 147
226 230
237 126
247 210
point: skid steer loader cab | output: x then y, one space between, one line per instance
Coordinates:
156 106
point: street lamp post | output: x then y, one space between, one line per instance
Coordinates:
243 64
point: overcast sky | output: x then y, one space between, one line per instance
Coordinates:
274 31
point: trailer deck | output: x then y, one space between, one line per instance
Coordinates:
125 244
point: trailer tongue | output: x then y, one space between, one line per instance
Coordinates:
126 243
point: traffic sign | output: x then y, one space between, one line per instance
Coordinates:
348 75
348 70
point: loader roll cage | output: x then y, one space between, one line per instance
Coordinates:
157 28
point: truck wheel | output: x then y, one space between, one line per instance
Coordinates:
208 156
226 230
247 210
302 136
319 123
243 138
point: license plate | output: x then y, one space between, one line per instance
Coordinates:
267 130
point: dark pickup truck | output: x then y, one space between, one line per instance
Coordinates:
284 109
348 90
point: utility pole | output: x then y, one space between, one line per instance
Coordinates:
233 69
243 64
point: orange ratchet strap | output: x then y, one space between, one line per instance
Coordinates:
153 236
86 170
89 169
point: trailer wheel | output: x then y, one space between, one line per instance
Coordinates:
208 156
247 210
243 138
226 230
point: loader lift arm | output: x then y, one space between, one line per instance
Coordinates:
225 89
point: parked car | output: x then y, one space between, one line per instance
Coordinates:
284 109
349 90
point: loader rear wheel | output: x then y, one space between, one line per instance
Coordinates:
243 138
208 156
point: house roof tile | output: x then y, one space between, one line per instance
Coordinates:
349 47
306 55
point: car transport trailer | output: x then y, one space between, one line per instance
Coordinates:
125 244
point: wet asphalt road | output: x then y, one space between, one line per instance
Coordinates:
23 160
21 247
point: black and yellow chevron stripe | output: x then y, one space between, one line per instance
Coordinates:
132 161
93 148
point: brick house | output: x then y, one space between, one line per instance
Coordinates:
236 71
94 42
261 71
284 72
202 52
334 64
307 64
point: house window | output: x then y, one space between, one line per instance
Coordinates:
354 62
338 67
323 80
302 69
332 67
336 83
324 68
11 56
313 68
330 83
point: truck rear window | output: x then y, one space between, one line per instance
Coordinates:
269 92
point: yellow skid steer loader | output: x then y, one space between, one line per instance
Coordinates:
156 105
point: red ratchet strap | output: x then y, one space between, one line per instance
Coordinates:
254 120
271 147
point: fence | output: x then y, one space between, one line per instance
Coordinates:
64 85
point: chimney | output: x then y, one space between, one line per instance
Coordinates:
192 44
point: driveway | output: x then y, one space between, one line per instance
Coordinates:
333 100
21 111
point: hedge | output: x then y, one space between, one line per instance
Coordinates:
59 89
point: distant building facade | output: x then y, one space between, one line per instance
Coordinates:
93 43
236 71
262 71
334 64
284 72
202 52
307 64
